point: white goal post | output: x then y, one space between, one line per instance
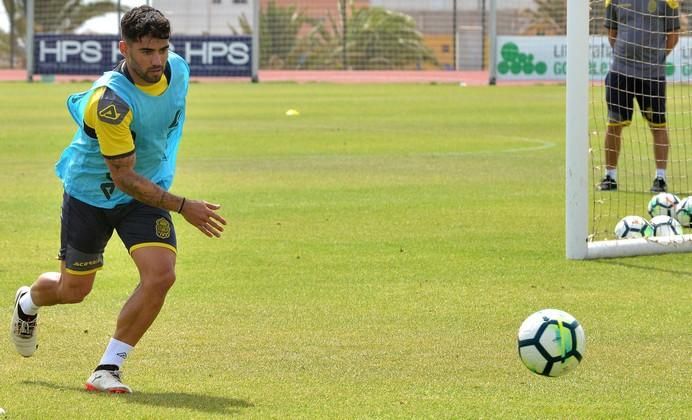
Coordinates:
579 182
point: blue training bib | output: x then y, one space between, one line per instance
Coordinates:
157 125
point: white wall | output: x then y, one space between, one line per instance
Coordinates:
203 17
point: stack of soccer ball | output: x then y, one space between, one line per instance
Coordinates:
668 216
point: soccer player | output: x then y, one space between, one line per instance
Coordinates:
116 174
642 33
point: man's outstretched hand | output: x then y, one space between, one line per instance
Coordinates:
204 217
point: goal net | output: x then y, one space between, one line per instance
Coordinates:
639 119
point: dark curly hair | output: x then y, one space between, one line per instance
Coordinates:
144 21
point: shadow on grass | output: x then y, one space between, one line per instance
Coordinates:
198 402
684 273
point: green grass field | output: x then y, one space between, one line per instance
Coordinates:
383 249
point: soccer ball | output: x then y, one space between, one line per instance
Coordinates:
665 226
633 227
663 204
683 212
551 342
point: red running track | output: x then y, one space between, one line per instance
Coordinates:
310 76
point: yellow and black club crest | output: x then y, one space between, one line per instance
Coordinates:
163 228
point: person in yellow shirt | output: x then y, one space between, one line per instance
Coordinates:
116 174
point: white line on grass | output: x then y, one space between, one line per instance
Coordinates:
541 145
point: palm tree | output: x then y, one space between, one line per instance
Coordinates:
374 38
56 16
548 17
685 11
60 16
280 28
4 47
377 38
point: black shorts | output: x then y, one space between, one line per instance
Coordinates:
622 90
85 231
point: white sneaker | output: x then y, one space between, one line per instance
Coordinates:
23 333
107 381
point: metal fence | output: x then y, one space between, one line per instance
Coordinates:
312 34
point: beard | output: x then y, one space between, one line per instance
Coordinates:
151 75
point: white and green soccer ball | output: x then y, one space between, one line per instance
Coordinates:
665 226
683 212
551 342
630 227
663 204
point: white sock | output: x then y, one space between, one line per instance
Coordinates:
613 173
661 173
27 305
115 353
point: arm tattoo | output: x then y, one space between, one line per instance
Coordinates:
139 187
